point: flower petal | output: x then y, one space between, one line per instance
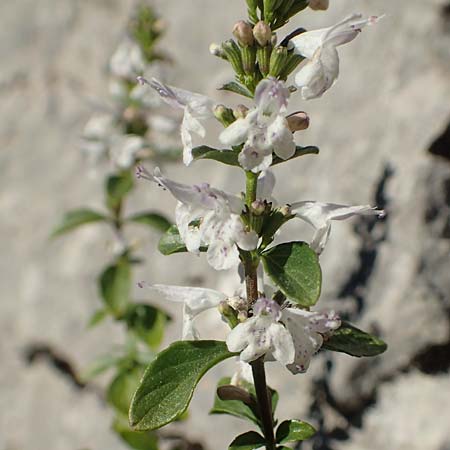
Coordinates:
200 105
319 215
319 74
266 183
255 159
280 137
196 300
283 349
222 255
237 132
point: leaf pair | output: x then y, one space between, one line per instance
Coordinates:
230 157
288 431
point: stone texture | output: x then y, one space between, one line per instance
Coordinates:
388 106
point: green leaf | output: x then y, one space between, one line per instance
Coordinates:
236 408
115 284
169 382
247 441
295 269
239 408
293 431
117 186
171 242
122 388
101 365
99 316
355 342
138 440
148 323
151 219
229 157
299 151
73 219
237 88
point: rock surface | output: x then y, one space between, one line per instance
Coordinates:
374 129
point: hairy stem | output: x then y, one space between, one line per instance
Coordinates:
259 375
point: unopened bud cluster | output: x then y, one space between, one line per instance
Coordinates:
254 54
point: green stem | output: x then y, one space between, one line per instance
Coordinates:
264 402
251 185
259 375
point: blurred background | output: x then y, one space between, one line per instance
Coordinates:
384 135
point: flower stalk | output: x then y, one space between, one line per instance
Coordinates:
264 401
251 284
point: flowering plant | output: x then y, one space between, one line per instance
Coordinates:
271 316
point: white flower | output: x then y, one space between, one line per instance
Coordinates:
262 334
127 61
290 335
264 129
242 375
218 213
95 138
307 330
195 299
319 4
320 215
196 107
125 149
319 48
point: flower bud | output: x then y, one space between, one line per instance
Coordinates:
243 32
228 314
258 207
224 115
262 33
240 112
242 316
285 211
278 61
217 50
298 121
233 54
319 4
230 392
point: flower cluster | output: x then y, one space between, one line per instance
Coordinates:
131 127
234 229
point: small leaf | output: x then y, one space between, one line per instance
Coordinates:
117 186
101 365
77 217
171 242
138 440
237 88
299 151
99 316
293 431
148 323
295 269
115 284
151 219
355 342
169 382
234 408
229 157
122 388
248 441
241 409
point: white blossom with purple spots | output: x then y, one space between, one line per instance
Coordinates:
264 129
208 216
